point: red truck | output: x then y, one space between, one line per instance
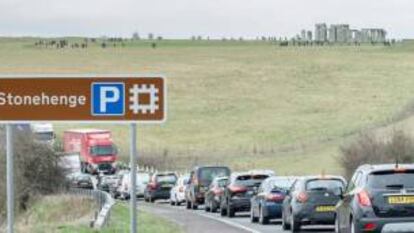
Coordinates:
97 151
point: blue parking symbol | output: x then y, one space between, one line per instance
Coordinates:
108 99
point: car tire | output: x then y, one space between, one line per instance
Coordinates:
337 228
294 225
152 200
207 207
353 228
230 211
178 203
188 204
213 207
285 224
262 219
253 219
194 206
223 211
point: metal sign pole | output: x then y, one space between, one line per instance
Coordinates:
133 154
10 183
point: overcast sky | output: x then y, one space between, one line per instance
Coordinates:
215 18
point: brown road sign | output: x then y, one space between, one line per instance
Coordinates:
111 98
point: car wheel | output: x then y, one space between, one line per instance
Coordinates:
152 200
285 224
223 211
194 206
354 228
188 204
337 228
294 224
253 218
207 206
262 219
230 211
213 207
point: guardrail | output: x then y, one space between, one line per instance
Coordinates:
104 202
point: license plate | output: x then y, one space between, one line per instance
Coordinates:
325 209
401 200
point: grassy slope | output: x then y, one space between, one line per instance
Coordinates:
268 106
64 214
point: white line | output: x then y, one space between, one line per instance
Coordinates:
233 224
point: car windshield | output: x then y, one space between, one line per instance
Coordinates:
282 183
209 173
221 183
391 180
170 178
44 136
103 150
250 180
325 185
143 177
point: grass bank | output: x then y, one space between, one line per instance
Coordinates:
67 214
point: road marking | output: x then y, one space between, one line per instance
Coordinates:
233 224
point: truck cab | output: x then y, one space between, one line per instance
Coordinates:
97 151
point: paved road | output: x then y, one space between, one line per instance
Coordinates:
201 222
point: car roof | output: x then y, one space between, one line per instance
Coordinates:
209 166
384 167
328 177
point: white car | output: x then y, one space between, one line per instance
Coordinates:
177 194
124 189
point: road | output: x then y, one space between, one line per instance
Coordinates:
200 221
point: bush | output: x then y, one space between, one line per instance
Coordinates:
369 149
36 170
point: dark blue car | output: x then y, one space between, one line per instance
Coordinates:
268 202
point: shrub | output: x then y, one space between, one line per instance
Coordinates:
370 149
36 170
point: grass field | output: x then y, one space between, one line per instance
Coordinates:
248 104
64 214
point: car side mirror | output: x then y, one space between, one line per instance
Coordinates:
341 193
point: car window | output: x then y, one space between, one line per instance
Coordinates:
324 185
166 178
391 180
250 180
352 184
206 175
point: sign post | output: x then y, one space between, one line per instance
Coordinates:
72 98
10 183
133 151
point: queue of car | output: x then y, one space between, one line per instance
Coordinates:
378 198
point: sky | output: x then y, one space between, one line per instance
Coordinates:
213 18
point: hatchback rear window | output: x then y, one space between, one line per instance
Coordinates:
392 180
325 185
209 173
250 180
166 178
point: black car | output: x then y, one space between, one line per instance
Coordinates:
241 188
214 194
200 180
312 201
268 202
379 198
108 183
80 180
160 186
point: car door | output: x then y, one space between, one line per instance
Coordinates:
289 198
257 198
345 205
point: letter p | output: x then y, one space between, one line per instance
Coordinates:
108 95
108 99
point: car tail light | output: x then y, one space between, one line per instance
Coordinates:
302 197
370 226
237 189
364 199
152 185
217 191
275 197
